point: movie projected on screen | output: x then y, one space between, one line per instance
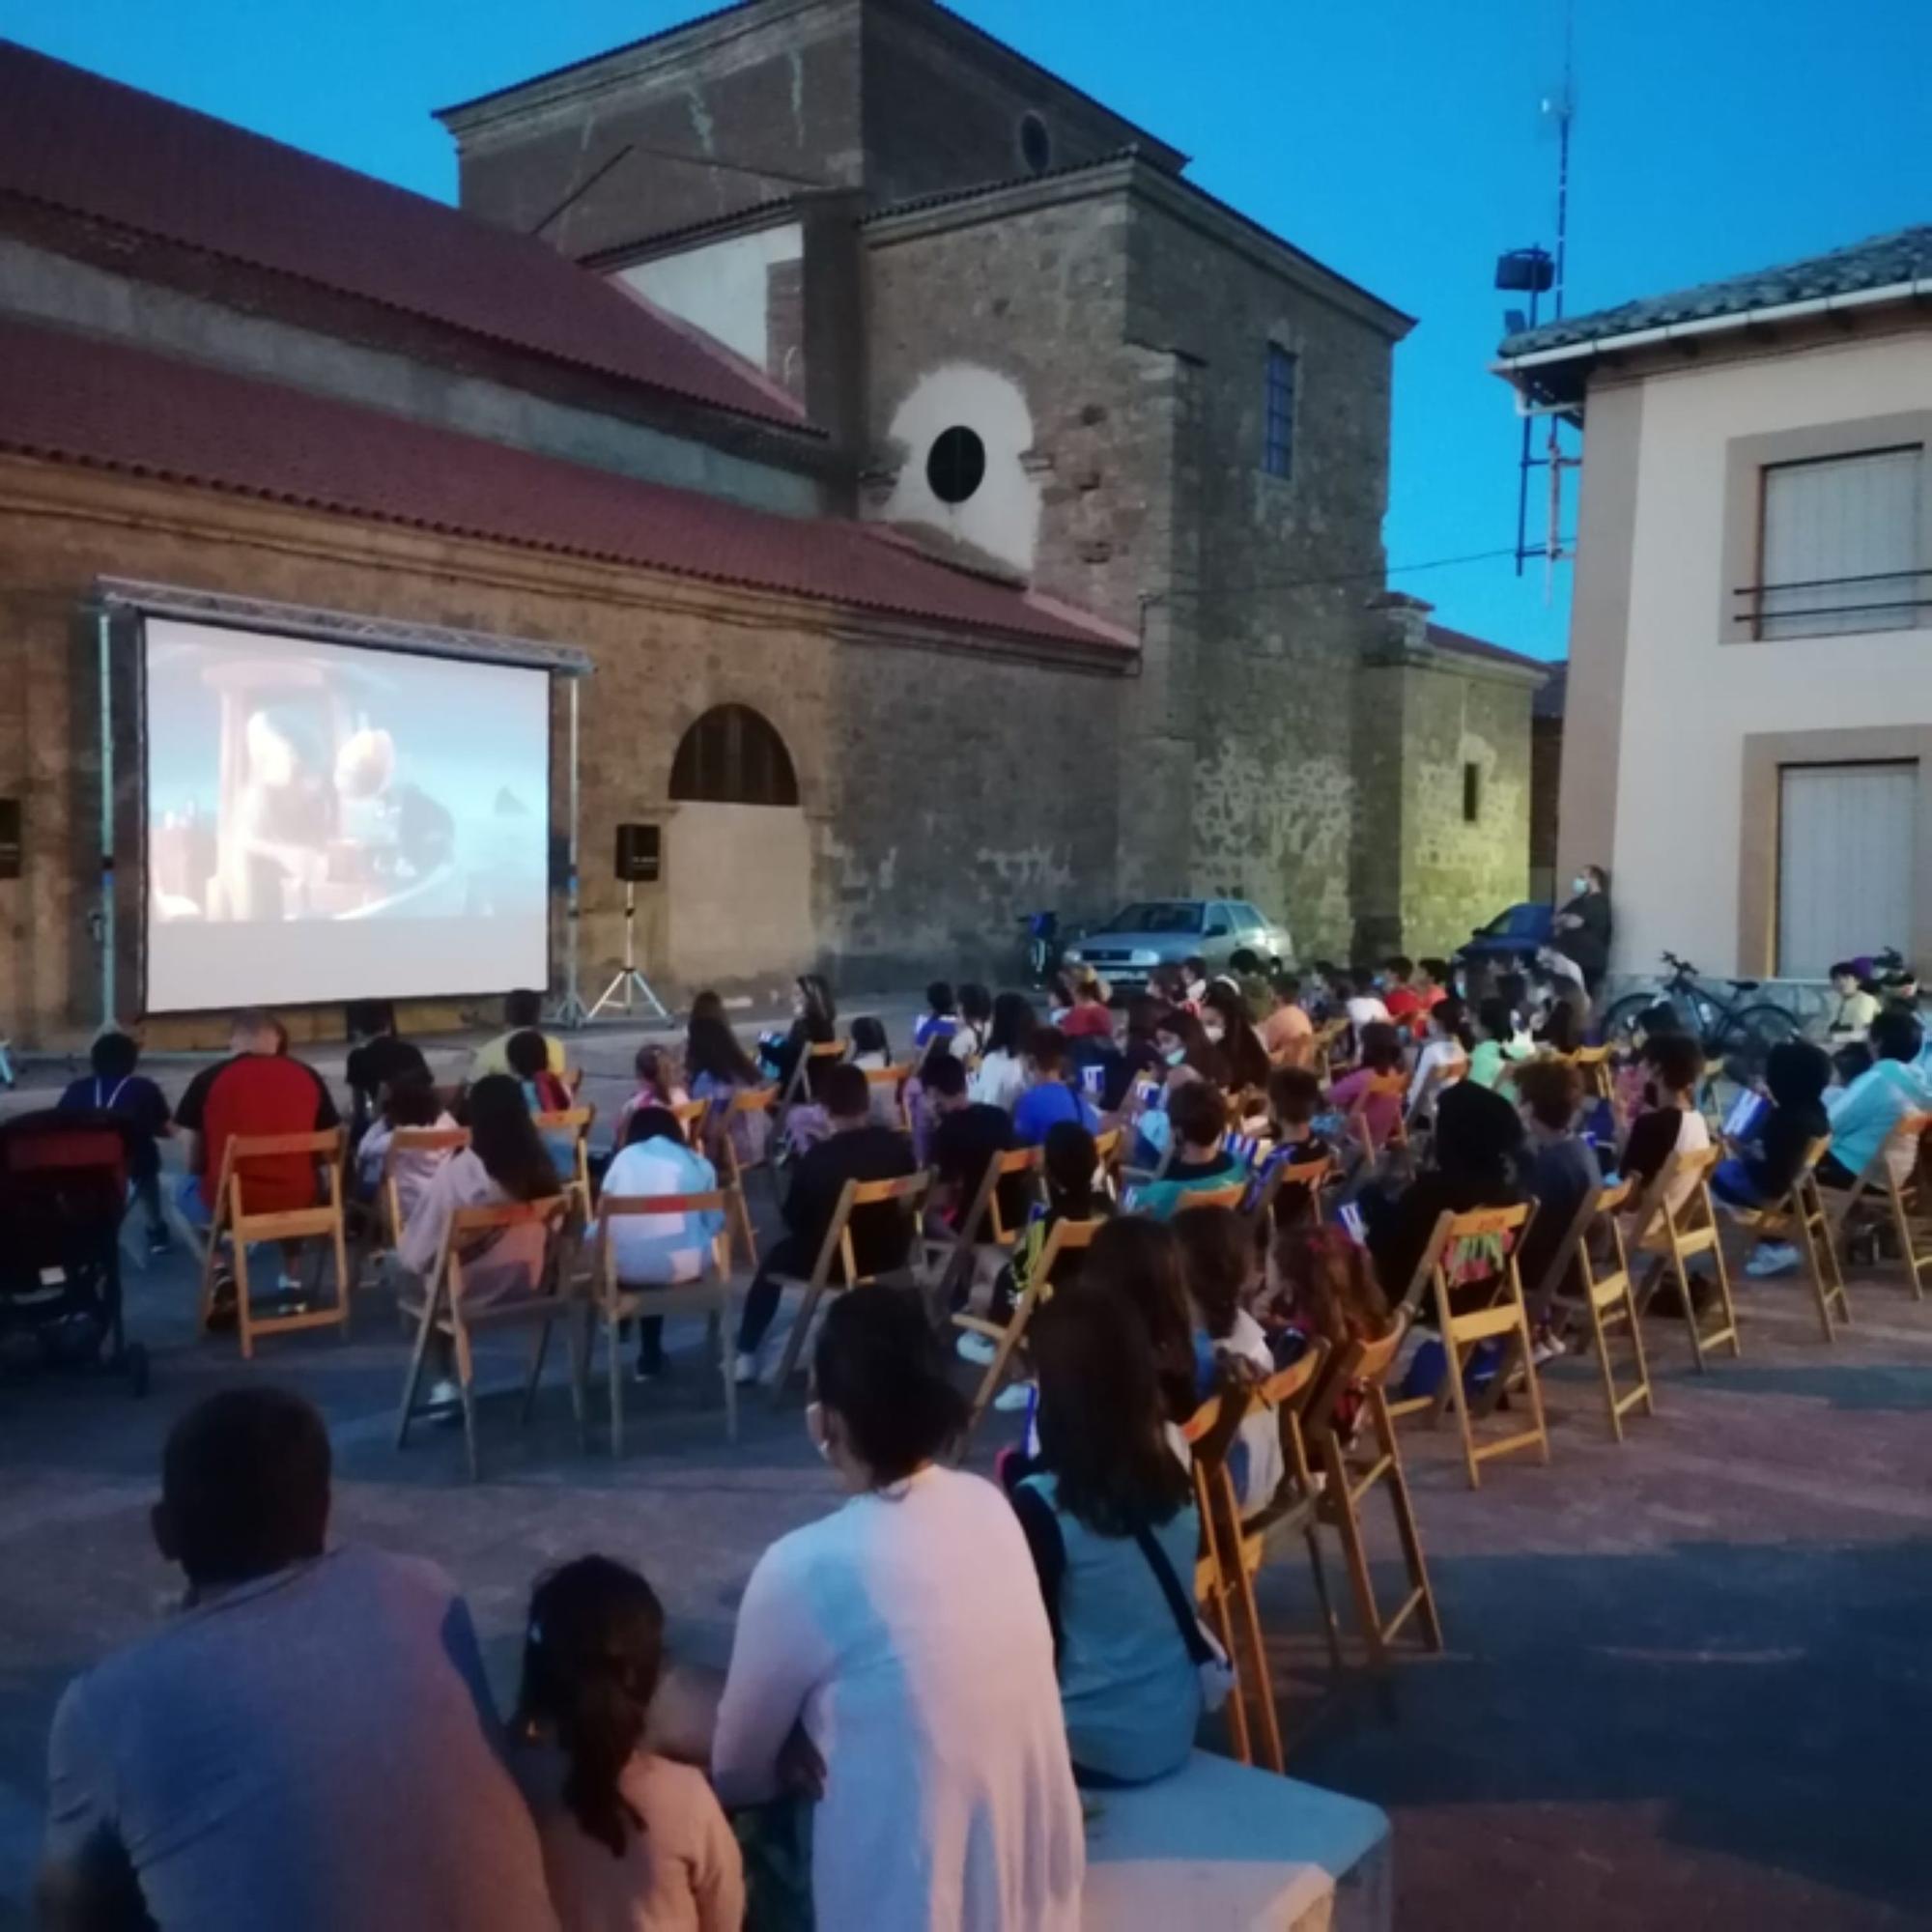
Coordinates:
336 822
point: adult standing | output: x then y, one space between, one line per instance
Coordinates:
894 1660
309 1744
1583 927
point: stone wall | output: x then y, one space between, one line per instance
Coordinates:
933 769
1427 873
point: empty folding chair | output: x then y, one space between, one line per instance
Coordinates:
836 1268
526 1237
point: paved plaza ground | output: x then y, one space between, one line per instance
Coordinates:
1686 1682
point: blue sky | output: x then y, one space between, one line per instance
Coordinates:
1397 140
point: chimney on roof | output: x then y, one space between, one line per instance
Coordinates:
1399 621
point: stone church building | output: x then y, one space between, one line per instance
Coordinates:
959 511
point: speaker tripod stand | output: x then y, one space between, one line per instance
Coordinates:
629 989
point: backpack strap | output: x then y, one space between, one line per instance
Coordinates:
1186 1619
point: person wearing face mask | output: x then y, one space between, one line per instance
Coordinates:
1226 1021
1583 927
894 1664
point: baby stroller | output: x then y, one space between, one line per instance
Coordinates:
62 1191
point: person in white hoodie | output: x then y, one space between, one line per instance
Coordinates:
408 1102
658 1250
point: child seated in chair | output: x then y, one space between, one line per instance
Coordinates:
1201 1162
1321 1287
1671 1122
658 1250
544 1093
409 1102
115 1087
1382 1060
657 1087
1772 1146
629 1838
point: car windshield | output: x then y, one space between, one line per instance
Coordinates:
1158 915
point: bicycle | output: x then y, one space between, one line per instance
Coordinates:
1728 1029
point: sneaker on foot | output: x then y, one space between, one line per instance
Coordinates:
1547 1347
444 1404
1014 1396
159 1241
745 1370
1771 1258
647 1369
978 1349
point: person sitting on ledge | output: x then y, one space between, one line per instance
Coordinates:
522 1011
309 1744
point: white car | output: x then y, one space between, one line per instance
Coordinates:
1163 932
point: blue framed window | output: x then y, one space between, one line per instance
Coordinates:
1278 420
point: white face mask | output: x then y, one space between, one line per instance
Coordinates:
1214 1030
1579 885
1175 1055
815 1427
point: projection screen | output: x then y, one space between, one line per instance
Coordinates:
335 822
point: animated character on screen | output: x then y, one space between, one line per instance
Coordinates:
283 820
406 834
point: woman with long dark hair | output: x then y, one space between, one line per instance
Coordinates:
1104 1507
814 1023
893 1660
720 1069
1138 1262
630 1839
506 1161
1001 1076
1228 1025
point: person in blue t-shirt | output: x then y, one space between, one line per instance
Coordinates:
1048 1099
114 1087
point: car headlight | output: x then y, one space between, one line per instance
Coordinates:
1142 958
1073 955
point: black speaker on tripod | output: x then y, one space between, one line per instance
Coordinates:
638 861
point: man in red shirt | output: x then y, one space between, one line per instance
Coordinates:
257 1091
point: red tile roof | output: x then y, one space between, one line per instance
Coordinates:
75 141
76 399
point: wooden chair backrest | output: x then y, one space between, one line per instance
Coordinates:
1310 1177
1289 1392
1505 1224
1359 1365
908 1193
1380 1087
691 1115
323 1146
613 1208
1433 1251
799 1082
1005 1167
553 1211
413 1140
1229 1196
1063 1237
565 1120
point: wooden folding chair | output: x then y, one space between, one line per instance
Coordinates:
439 1309
1802 1219
324 1220
1223 1583
614 1302
1352 1471
731 1170
1293 1509
1111 1147
835 1266
1323 1054
385 1220
1608 1299
1443 1074
894 1079
691 1117
1412 1296
1674 1237
983 1225
1063 1239
1306 1179
799 1086
575 1121
1905 1201
1503 1318
1357 1131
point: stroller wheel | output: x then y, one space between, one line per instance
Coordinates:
134 1360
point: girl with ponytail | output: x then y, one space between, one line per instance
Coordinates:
632 1842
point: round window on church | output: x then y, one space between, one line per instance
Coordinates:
957 465
1036 142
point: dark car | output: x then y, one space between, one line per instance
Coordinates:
1516 934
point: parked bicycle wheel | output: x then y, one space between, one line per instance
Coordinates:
1620 1022
1752 1032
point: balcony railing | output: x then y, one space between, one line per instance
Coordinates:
1822 607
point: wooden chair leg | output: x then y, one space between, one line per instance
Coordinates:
1355 1556
795 1342
1681 1268
344 1280
1599 1338
244 1301
1524 1345
614 1366
466 1382
1262 1683
1908 1253
1731 1333
418 1355
1458 1400
539 1353
577 1341
1394 1480
1331 1625
721 1337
